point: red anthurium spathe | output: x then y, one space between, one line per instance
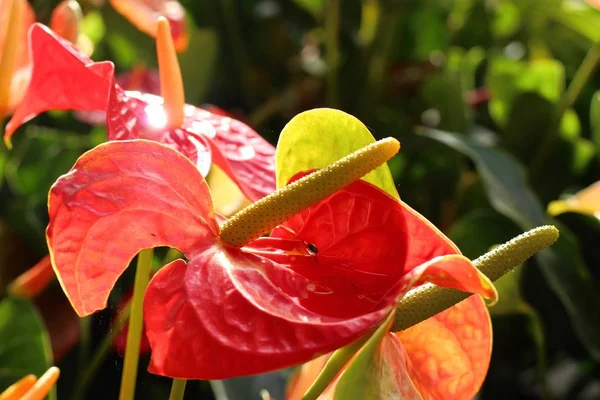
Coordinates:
445 357
139 79
65 79
320 281
16 17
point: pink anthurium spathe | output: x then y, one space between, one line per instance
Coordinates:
321 280
65 79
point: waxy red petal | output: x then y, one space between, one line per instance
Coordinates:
118 199
426 241
229 314
65 79
450 352
62 79
204 137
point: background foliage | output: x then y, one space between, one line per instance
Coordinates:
494 124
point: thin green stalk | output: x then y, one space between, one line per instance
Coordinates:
102 351
177 389
136 324
569 97
332 28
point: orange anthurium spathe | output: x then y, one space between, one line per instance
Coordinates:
16 16
586 201
445 357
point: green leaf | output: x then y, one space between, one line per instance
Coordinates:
197 63
508 78
562 264
504 176
316 138
24 343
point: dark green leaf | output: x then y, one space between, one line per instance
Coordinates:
24 343
562 264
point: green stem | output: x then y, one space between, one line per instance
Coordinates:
569 97
177 389
136 324
100 355
332 27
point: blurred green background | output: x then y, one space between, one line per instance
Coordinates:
496 115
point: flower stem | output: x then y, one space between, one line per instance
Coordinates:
332 27
136 321
177 389
427 300
100 354
569 97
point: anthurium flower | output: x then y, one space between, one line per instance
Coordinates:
323 279
204 137
586 201
16 17
445 357
144 13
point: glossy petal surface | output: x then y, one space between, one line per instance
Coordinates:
450 352
204 137
117 200
140 79
62 79
65 79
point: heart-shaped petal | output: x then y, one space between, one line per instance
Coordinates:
118 199
450 352
62 79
